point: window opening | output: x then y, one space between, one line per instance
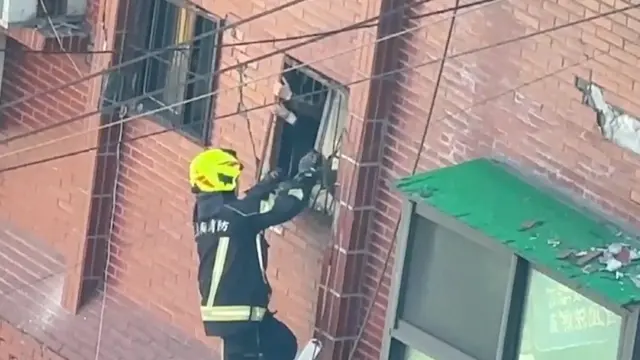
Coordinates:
183 72
319 105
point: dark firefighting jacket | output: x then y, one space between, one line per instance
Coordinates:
233 255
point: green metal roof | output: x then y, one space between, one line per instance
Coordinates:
533 223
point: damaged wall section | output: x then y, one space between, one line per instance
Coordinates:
615 124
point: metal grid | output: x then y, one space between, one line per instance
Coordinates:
182 72
323 100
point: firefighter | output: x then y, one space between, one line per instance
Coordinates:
232 277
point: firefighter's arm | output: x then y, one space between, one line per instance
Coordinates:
289 200
264 187
286 203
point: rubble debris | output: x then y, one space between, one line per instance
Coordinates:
528 225
565 254
588 269
615 248
588 257
612 264
617 258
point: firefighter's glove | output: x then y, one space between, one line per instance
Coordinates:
274 176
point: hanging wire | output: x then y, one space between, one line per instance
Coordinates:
378 76
206 95
241 109
57 36
432 104
255 59
352 178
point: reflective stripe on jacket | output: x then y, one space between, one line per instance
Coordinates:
233 253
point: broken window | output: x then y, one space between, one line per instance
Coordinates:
312 116
169 79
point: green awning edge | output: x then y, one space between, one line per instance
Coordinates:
489 197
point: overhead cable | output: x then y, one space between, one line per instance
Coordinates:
218 72
394 239
152 53
241 43
421 145
206 95
463 53
375 77
255 108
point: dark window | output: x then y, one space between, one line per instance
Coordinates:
320 107
446 277
51 8
185 71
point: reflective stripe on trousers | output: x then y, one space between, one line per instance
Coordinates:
232 313
210 312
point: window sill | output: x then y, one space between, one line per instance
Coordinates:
42 37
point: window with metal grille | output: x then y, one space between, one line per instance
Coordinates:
181 80
319 105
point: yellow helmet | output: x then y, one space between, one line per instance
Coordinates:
215 170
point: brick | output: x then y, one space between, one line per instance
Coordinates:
574 7
610 37
556 10
153 249
596 42
625 56
632 48
526 19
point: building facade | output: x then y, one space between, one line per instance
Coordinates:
122 202
520 84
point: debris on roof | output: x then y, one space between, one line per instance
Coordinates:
617 258
536 224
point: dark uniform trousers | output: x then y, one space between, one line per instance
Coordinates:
270 339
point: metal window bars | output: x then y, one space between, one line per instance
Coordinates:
318 98
182 71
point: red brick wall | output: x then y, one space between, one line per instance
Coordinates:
16 345
154 251
542 127
51 199
61 203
